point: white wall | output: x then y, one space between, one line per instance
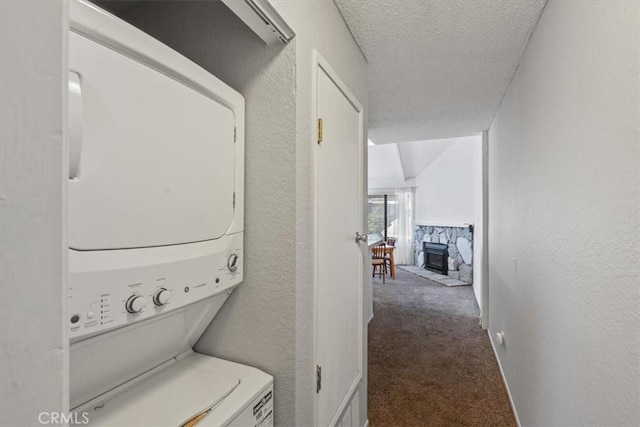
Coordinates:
564 225
449 192
385 169
417 155
256 326
33 344
446 188
317 24
268 321
397 165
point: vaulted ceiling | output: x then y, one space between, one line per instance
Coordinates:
397 165
438 68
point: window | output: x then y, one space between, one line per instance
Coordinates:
391 216
383 215
376 215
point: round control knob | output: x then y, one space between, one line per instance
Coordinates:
135 304
161 297
232 262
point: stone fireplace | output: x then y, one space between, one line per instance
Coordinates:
458 241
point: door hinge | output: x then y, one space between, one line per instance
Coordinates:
234 200
318 378
235 133
319 131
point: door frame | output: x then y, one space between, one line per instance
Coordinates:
484 266
318 62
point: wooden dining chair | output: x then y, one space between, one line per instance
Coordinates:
391 242
378 262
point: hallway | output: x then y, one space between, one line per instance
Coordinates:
430 364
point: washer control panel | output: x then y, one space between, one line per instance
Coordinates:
135 304
232 262
161 297
103 299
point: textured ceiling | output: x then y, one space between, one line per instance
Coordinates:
438 68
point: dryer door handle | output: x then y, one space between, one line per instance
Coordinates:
75 119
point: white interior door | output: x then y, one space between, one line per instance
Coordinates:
339 276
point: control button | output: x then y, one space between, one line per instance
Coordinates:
161 297
135 304
232 262
91 315
75 318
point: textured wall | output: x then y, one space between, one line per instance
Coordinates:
317 24
256 326
33 345
564 214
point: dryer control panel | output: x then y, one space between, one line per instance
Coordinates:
107 291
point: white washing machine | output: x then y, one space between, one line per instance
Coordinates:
155 231
194 390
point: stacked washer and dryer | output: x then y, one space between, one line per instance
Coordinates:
155 231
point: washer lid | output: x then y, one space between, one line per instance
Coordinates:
169 398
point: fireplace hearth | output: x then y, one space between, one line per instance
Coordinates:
436 257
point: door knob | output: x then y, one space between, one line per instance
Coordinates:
361 238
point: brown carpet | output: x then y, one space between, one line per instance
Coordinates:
430 364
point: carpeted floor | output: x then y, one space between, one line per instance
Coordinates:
430 364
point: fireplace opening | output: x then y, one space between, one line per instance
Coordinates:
436 257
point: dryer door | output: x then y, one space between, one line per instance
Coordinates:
152 160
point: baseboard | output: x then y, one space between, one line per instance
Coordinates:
366 423
504 380
370 319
